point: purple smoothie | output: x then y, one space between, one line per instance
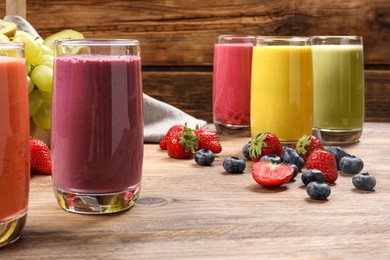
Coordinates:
97 123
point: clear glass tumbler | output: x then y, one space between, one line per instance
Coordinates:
231 84
97 125
282 87
14 142
338 88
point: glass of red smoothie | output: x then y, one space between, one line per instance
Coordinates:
231 84
14 142
97 125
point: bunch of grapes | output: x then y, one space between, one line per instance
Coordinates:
39 58
39 55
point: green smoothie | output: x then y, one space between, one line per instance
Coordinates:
338 87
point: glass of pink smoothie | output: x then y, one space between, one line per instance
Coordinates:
97 125
231 84
14 142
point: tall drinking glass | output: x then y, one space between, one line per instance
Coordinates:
231 84
282 87
338 88
14 142
97 125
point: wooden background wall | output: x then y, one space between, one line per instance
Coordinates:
177 37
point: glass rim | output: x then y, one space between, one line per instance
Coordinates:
11 45
97 42
235 36
283 38
348 37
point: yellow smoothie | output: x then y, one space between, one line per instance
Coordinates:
282 91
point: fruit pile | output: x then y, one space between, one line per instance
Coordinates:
39 55
182 142
273 164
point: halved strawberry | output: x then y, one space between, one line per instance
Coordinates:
265 143
208 140
270 174
173 129
40 157
307 144
325 162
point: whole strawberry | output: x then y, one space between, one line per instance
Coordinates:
208 140
40 157
264 143
183 144
325 162
307 144
172 130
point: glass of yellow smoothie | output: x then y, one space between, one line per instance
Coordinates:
282 87
338 69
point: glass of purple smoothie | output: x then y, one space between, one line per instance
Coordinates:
232 84
97 125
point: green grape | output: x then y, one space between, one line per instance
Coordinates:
42 117
46 96
28 66
46 50
34 101
39 41
32 50
48 60
42 77
4 38
23 33
30 84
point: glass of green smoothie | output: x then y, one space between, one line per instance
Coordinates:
338 74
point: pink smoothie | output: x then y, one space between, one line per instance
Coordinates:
231 83
97 117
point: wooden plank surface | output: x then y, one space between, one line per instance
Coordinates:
189 212
191 91
182 32
177 37
16 7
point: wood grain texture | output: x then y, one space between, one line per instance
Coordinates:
192 92
190 212
180 35
182 32
16 7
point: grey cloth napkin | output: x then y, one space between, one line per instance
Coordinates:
158 116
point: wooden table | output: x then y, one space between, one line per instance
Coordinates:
189 211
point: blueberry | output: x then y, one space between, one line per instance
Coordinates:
234 165
296 171
351 164
318 190
271 158
364 181
204 157
245 151
338 153
290 156
312 175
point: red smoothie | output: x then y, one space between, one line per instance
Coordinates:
14 140
231 84
97 117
